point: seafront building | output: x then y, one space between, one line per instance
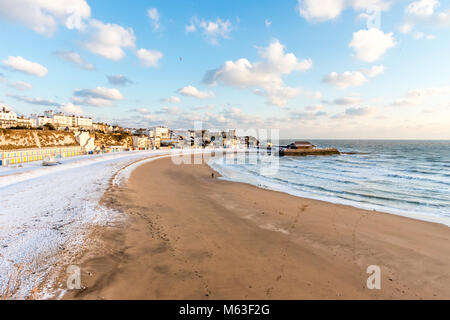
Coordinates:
8 118
26 122
111 138
141 142
157 135
162 132
61 121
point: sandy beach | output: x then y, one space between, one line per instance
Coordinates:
190 236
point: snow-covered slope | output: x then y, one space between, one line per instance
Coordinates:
43 209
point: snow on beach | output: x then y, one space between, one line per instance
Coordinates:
45 209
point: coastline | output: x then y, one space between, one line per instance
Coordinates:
416 215
189 236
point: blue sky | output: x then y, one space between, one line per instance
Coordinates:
312 69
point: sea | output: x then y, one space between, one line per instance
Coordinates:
404 177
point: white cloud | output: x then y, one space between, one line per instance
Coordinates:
20 64
352 78
374 71
100 92
108 40
151 117
191 27
306 116
443 19
280 95
371 4
171 100
424 12
45 16
207 107
35 101
322 10
312 94
266 74
169 110
141 110
70 108
371 44
153 14
406 28
417 96
363 111
345 79
422 8
119 80
74 58
98 96
212 30
191 91
21 85
348 101
149 58
316 107
277 61
355 112
268 23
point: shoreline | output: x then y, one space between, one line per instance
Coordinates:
354 204
189 236
430 217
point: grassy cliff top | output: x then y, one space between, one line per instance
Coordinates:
26 139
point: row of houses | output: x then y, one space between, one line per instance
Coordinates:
59 120
155 137
164 137
9 118
142 139
62 121
150 138
208 139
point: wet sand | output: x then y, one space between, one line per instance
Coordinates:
191 236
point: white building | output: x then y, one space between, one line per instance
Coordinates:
84 123
25 122
43 120
141 142
61 121
8 118
162 132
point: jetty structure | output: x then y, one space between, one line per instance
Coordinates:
306 148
